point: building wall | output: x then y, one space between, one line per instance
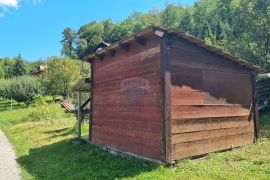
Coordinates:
126 102
209 102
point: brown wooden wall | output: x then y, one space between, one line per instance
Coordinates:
126 99
209 102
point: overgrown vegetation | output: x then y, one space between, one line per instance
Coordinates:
44 151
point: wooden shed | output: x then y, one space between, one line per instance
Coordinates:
165 95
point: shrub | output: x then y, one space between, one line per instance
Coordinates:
5 88
24 89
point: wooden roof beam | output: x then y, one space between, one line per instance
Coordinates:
140 40
125 46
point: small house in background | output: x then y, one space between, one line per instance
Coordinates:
164 95
39 71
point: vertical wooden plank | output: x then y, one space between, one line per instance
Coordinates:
162 99
168 117
91 102
165 100
255 107
79 118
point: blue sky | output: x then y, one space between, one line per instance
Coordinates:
33 27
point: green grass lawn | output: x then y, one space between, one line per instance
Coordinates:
44 151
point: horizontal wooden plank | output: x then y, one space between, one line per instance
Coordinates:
125 145
128 115
152 77
203 124
154 90
178 112
189 149
200 135
122 108
135 136
128 123
145 67
186 97
153 86
126 100
124 61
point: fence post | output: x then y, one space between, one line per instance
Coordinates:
79 113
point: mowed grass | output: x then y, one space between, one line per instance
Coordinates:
44 151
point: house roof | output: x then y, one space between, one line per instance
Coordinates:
159 31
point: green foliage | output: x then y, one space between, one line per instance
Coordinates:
24 89
7 65
5 88
240 27
68 42
172 16
2 71
41 110
19 68
60 76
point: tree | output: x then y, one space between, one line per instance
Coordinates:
68 42
250 32
19 68
172 16
61 75
90 36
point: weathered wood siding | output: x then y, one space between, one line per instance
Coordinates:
126 102
210 101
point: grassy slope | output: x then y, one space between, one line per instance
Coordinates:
45 152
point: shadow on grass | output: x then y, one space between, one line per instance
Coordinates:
60 133
65 160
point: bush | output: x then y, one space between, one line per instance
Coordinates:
41 110
22 89
5 88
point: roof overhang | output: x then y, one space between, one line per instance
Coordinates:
159 31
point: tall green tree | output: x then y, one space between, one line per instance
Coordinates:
90 36
250 33
19 68
172 16
68 42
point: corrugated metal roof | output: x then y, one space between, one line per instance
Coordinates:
160 32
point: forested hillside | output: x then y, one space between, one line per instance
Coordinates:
241 27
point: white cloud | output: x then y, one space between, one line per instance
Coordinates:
9 3
5 5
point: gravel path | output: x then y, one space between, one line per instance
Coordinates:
8 166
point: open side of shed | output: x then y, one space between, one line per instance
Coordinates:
165 95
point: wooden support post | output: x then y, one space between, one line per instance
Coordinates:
255 107
79 119
91 102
